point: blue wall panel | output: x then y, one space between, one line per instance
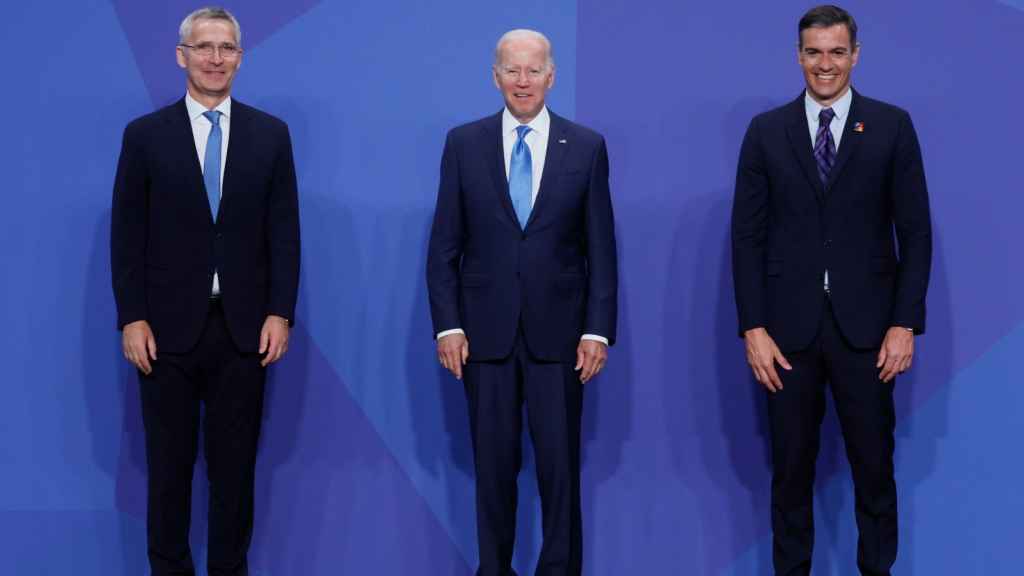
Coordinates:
365 465
673 86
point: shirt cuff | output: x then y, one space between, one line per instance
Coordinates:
449 332
594 337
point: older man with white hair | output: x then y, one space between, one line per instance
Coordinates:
522 277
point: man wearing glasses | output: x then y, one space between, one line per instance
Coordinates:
831 256
521 271
205 264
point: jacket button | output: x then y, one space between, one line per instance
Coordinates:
828 243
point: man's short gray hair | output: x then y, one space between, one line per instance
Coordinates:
208 13
522 34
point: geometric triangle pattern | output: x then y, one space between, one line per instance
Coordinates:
152 32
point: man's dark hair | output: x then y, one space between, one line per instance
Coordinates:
826 16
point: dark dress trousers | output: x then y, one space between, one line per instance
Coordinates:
788 228
165 248
524 297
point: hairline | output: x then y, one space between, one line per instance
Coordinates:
854 45
826 16
208 13
521 34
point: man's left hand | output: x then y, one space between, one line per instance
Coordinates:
591 356
896 354
273 339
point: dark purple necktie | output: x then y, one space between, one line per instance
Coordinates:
824 145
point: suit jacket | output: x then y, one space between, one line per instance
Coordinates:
557 279
165 244
788 228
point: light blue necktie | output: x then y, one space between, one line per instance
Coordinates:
520 177
211 162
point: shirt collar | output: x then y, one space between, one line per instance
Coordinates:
195 109
841 107
540 123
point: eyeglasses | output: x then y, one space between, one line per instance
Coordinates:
207 50
511 73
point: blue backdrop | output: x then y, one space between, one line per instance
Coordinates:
365 465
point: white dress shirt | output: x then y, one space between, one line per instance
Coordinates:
842 109
201 126
537 140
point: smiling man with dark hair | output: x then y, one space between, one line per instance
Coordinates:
831 248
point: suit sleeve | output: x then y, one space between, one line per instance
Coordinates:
602 258
912 218
283 233
750 232
444 250
129 221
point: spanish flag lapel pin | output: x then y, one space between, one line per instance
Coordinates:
858 127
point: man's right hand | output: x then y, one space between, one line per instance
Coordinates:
762 354
453 351
138 345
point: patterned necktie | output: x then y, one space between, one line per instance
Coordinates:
824 145
211 162
520 177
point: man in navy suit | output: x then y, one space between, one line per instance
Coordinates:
522 277
205 263
826 187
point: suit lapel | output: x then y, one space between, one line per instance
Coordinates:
800 141
185 145
557 143
849 144
493 135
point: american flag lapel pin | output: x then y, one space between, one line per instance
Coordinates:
858 127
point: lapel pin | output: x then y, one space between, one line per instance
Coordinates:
562 141
858 127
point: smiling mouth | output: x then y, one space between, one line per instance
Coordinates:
826 77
